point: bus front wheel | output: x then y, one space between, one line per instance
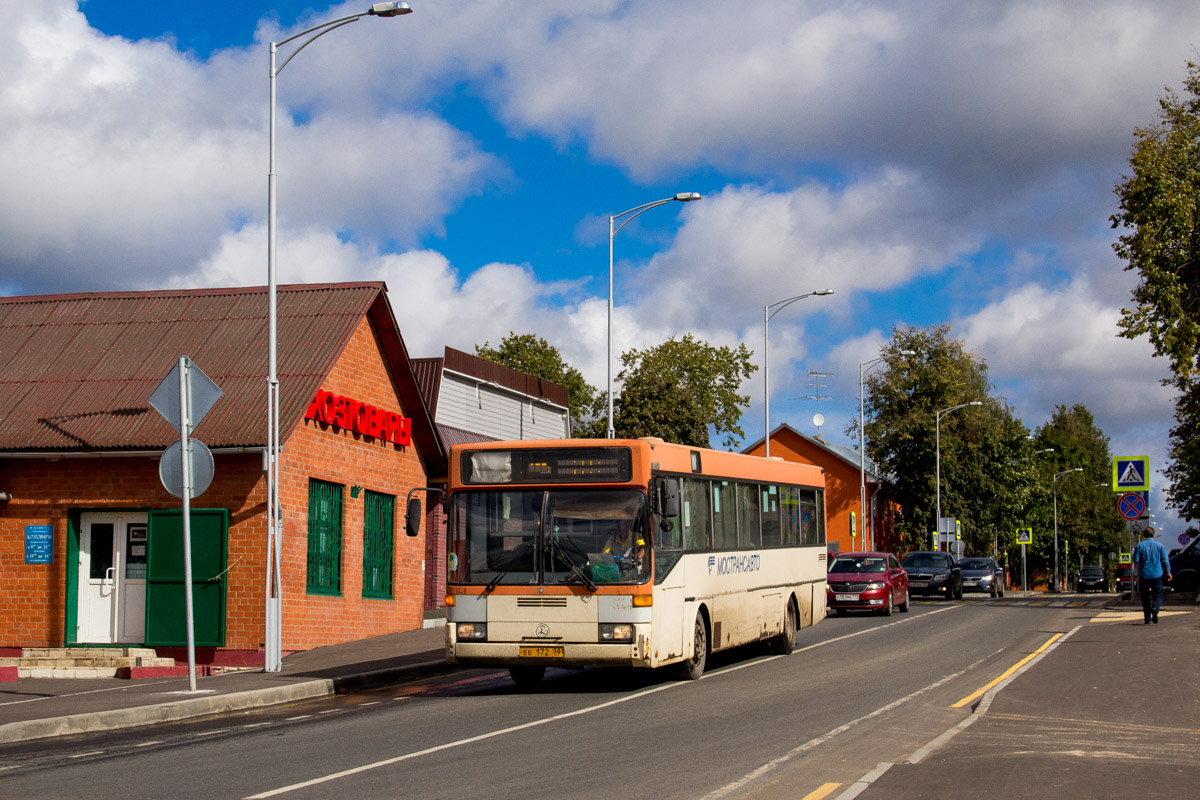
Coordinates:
693 668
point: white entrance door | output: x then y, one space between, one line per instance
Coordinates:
112 578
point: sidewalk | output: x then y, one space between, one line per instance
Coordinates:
35 708
1113 712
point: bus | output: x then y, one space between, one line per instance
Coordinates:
636 553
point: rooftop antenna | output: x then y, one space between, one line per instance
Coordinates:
816 384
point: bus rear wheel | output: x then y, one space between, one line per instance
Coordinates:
526 677
693 668
785 642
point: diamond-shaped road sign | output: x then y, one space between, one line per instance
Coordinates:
203 394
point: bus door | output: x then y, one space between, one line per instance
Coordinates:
668 619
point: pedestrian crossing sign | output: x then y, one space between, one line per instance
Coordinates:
1024 535
1131 473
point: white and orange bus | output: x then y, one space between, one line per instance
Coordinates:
627 552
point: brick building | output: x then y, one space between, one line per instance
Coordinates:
90 541
842 477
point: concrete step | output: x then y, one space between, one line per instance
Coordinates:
85 662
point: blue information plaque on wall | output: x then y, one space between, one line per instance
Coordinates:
39 544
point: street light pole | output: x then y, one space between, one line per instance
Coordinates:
767 314
863 367
273 622
938 459
631 214
1054 491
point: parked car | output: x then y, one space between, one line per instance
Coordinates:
870 581
1091 579
931 572
982 575
1185 567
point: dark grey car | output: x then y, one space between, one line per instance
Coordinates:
931 572
982 575
1091 579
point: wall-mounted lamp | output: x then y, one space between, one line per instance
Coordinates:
5 497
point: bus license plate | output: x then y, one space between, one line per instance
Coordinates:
541 652
846 597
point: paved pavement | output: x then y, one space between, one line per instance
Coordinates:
1112 712
35 708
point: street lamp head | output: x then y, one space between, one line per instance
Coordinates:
823 292
687 197
389 9
975 403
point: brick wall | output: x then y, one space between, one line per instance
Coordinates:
32 605
325 452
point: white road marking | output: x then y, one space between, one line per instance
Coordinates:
589 709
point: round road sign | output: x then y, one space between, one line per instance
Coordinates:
1131 505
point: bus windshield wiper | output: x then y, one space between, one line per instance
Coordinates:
494 582
562 554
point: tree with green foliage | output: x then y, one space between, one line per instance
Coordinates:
1159 212
679 388
1088 523
984 482
534 355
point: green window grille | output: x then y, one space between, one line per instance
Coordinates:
324 537
379 512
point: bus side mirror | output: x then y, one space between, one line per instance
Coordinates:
412 517
667 497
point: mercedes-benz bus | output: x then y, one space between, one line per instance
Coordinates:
642 553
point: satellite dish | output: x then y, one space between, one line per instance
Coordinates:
818 420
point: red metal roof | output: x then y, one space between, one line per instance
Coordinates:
77 370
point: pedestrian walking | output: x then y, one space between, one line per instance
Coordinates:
1152 563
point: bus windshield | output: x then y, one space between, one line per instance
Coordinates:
587 537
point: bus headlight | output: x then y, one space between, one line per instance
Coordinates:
472 631
616 632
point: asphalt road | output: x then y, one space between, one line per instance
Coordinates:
858 691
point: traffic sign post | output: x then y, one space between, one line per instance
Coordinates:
183 397
1024 537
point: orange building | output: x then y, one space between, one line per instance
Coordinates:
91 541
845 531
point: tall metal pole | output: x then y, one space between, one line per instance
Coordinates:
613 230
185 452
273 611
862 460
766 381
1054 491
766 388
938 460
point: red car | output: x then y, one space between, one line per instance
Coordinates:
870 581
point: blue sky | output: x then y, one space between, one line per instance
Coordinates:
929 161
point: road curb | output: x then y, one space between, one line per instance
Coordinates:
112 719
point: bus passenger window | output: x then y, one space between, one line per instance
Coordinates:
790 505
724 516
771 534
749 534
696 515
